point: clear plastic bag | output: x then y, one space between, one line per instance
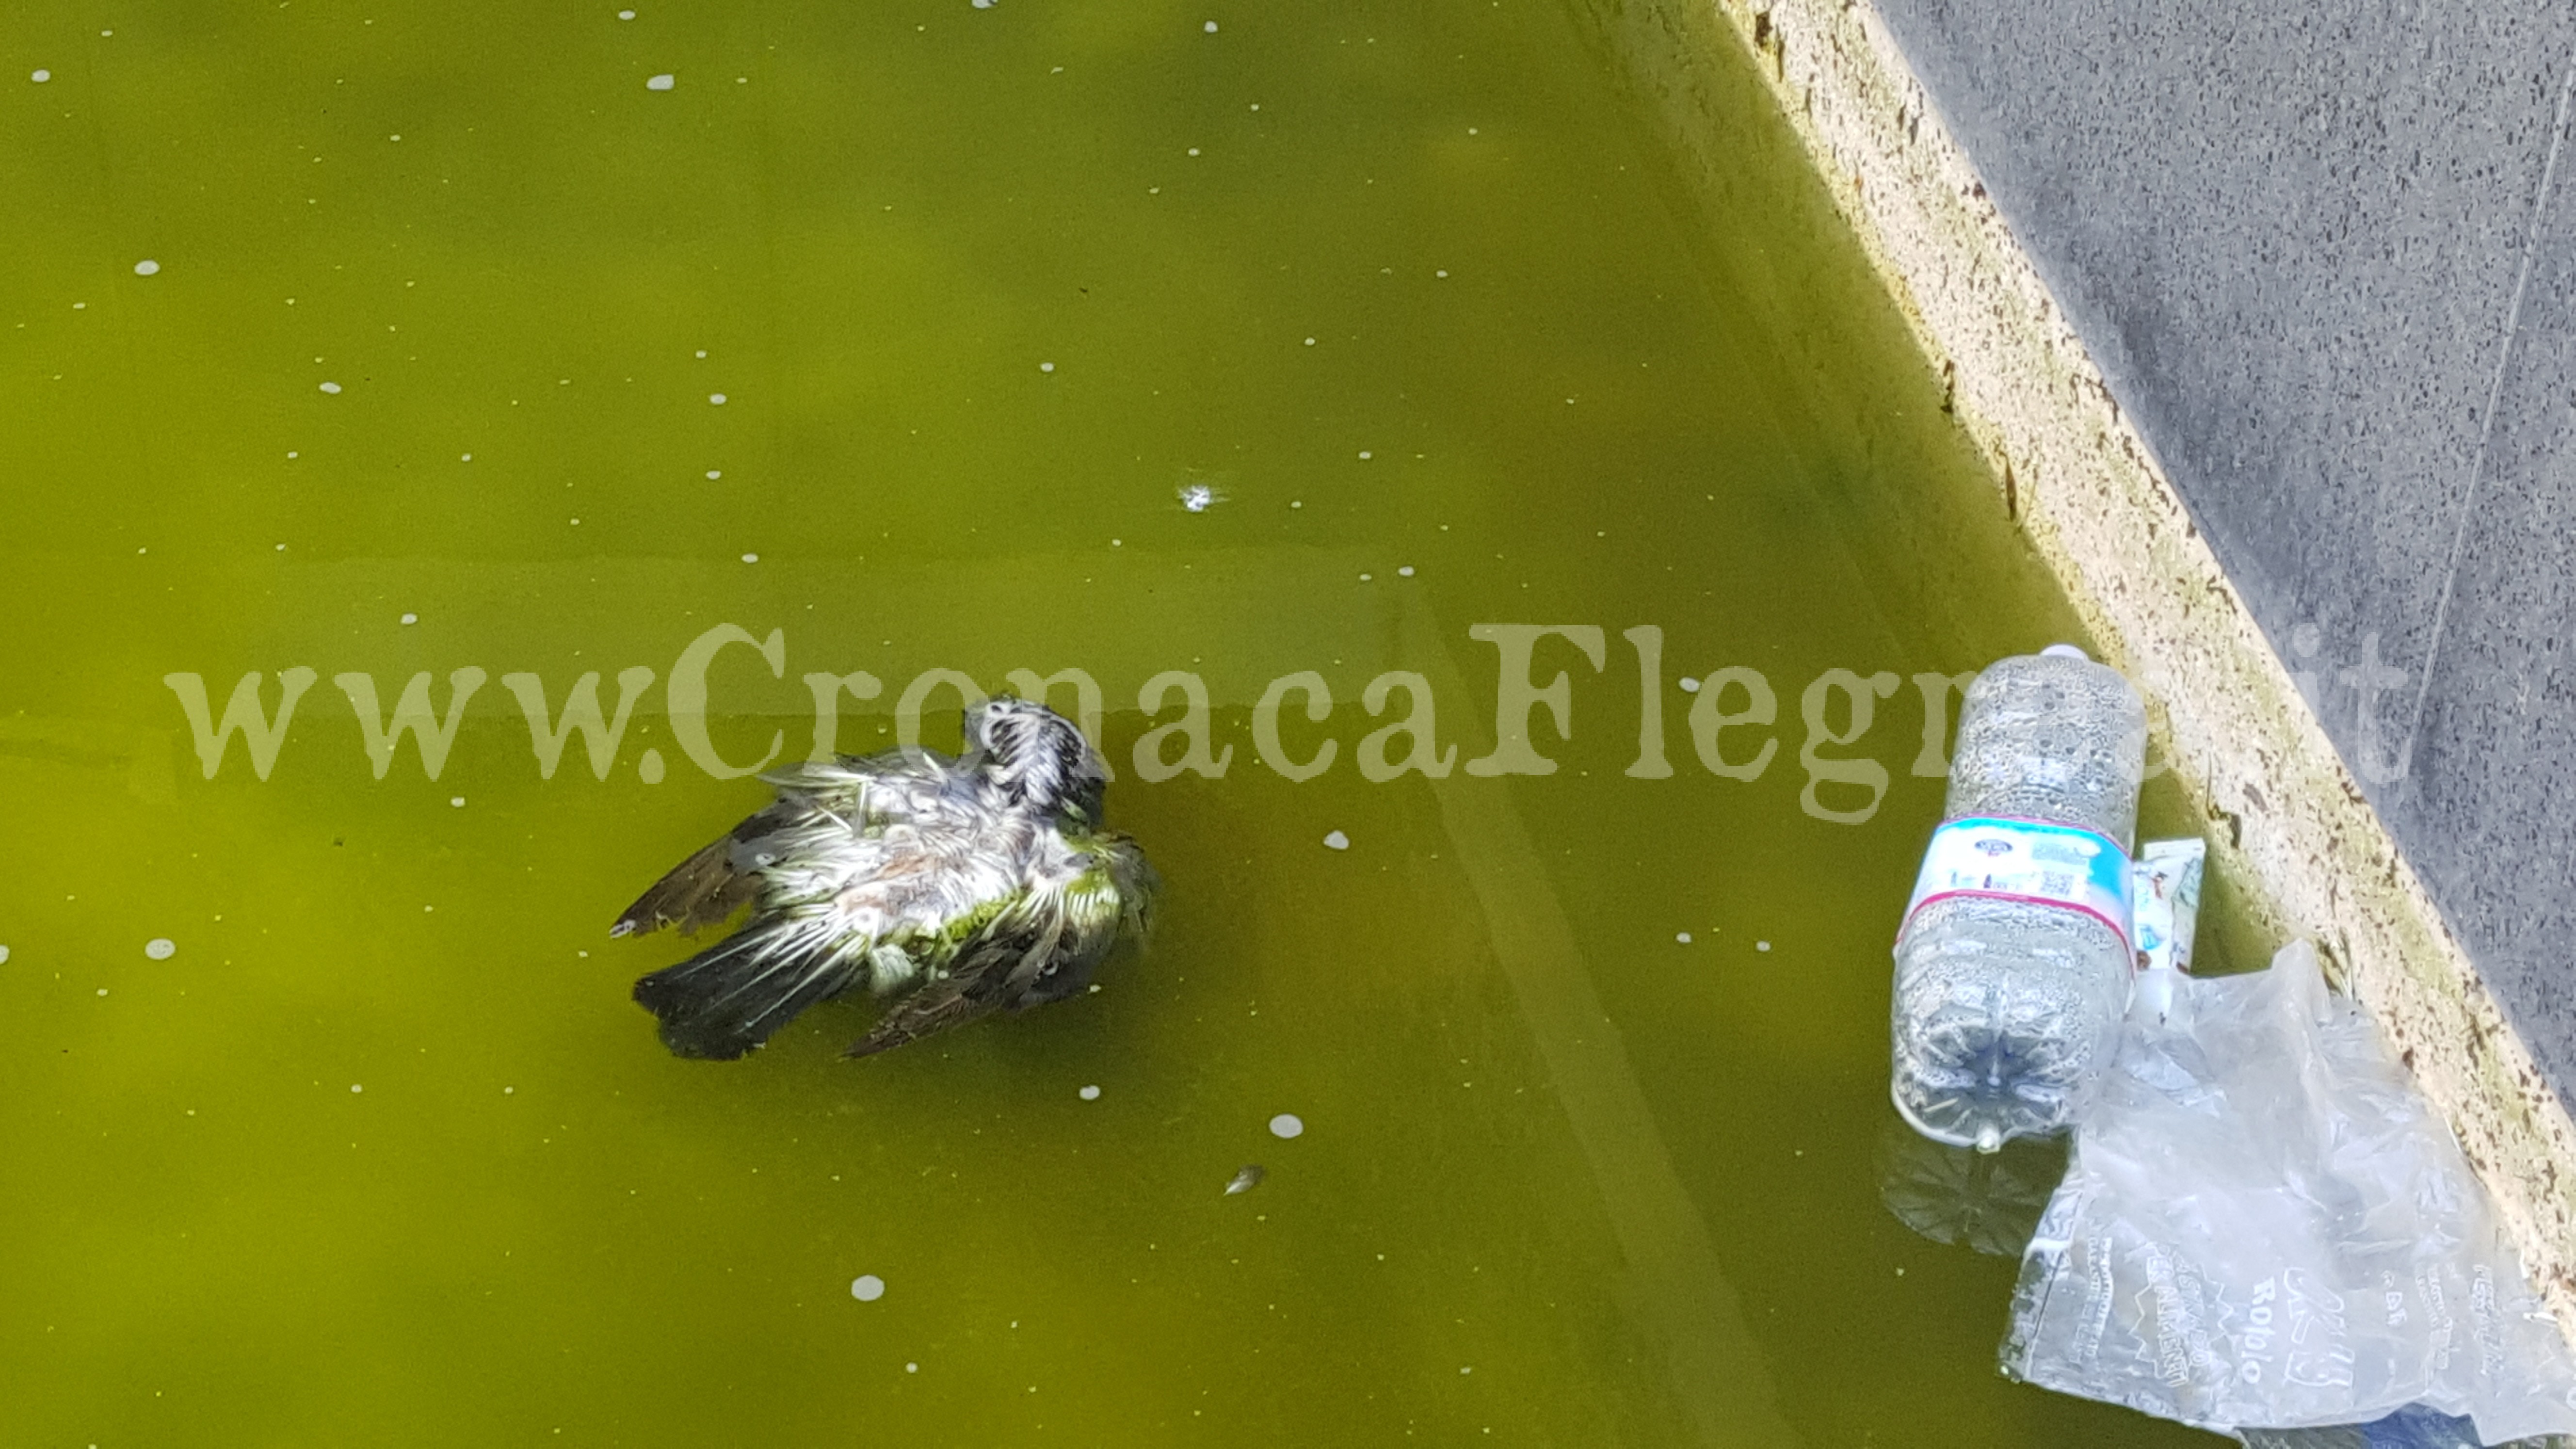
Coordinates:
2264 1224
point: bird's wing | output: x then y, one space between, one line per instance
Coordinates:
708 887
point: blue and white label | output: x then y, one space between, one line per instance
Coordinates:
2027 860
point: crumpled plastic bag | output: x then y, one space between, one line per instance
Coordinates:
2265 1224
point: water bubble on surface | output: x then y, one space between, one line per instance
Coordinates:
355 1087
625 14
1368 578
1405 572
867 1287
1088 1094
1684 937
714 473
160 948
661 83
717 398
1286 1124
1046 367
1761 945
331 387
751 558
411 618
456 801
465 458
1364 455
1210 27
1337 841
146 267
40 77
912 1368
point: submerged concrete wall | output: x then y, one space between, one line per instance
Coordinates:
2266 322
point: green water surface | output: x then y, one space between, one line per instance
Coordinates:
422 378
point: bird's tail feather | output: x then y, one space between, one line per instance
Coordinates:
729 998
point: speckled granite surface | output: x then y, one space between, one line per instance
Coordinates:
2326 257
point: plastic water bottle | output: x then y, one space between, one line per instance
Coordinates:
2013 966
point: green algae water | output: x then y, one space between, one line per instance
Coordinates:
787 372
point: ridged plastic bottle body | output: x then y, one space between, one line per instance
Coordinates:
2007 1010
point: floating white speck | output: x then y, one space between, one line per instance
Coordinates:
1761 945
457 801
1682 936
1405 572
411 618
576 523
1368 578
912 1368
1245 1179
355 1087
465 457
1199 497
1440 274
1046 367
1088 1094
146 267
1689 685
160 948
867 1287
1337 841
702 352
102 991
661 83
40 77
751 558
1210 27
1194 150
4 955
1296 503
714 473
983 4
294 455
1286 1124
509 1091
331 387
625 14
393 138
1310 341
1117 543
717 398
1466 1370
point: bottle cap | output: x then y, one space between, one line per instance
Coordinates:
2065 651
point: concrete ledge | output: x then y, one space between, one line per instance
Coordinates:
2290 827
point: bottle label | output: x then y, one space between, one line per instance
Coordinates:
2027 860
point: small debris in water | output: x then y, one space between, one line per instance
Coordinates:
40 77
1337 841
465 457
867 1287
160 948
146 267
331 387
1245 1179
457 801
1689 685
1210 27
355 1087
1200 497
1761 945
1405 572
411 618
1682 936
1046 367
717 398
1286 1124
751 558
4 955
1364 456
661 83
1367 578
912 1368
1088 1094
714 473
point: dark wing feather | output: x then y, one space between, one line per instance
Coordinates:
708 887
729 998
